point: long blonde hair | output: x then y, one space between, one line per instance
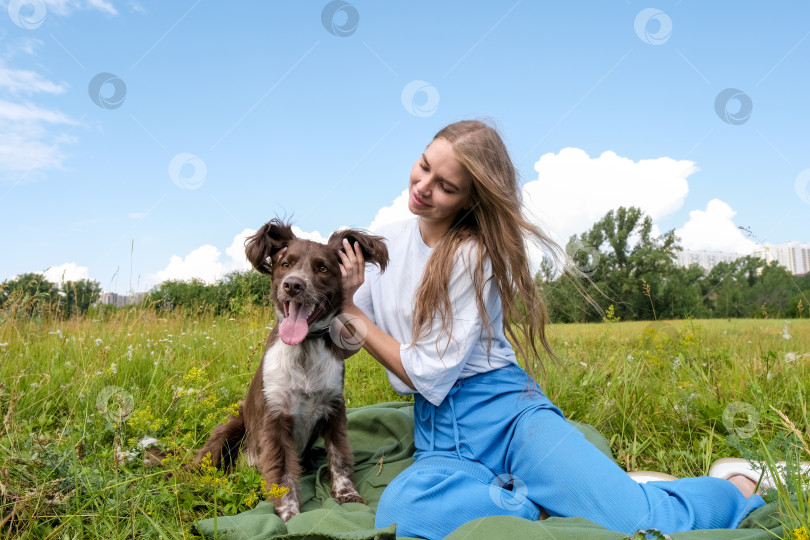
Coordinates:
496 227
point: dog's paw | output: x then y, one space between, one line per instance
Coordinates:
287 509
349 496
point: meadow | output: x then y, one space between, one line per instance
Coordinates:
79 397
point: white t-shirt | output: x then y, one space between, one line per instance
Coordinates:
436 361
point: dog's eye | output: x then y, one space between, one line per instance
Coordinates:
285 264
323 269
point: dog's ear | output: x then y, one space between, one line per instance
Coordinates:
374 249
262 247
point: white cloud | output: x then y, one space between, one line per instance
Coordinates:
202 263
315 236
66 7
714 230
24 45
136 7
236 251
397 211
102 5
17 81
573 190
66 272
205 262
26 141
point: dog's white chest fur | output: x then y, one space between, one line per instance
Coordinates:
302 381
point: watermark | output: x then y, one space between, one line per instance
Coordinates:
508 492
584 257
28 14
730 419
340 18
802 186
115 404
187 171
420 98
653 26
348 332
727 114
99 90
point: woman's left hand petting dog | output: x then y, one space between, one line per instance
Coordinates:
297 392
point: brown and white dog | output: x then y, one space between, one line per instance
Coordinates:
296 394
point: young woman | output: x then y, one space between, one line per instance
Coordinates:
436 321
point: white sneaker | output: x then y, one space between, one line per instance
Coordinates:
727 467
642 477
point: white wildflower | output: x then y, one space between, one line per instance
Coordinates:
146 442
124 456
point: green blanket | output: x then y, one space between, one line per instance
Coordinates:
382 439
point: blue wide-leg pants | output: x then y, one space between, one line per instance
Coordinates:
497 445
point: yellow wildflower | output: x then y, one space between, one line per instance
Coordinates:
206 464
195 376
274 491
278 491
800 534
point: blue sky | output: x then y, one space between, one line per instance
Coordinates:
315 110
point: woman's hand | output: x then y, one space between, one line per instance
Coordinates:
352 269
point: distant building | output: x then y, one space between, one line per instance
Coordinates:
794 256
137 297
120 300
110 298
705 259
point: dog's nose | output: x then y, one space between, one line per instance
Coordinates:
293 285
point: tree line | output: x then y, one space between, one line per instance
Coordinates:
32 295
619 269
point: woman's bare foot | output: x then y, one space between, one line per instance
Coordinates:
743 483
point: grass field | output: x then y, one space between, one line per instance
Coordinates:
77 396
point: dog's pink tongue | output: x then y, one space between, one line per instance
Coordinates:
294 328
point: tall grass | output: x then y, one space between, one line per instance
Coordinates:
77 397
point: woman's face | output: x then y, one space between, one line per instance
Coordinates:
440 186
